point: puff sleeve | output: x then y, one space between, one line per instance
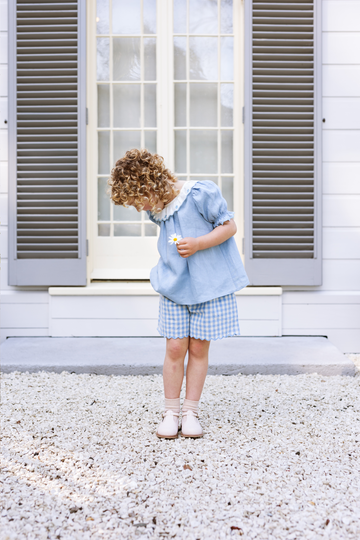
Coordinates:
210 202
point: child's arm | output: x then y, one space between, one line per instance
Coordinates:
188 246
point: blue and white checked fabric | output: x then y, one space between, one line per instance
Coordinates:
211 320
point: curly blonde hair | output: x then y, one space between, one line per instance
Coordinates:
140 176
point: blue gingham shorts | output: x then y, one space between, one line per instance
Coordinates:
211 320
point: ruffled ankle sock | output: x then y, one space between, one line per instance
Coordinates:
189 405
172 405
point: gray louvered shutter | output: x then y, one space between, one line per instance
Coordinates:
283 142
47 124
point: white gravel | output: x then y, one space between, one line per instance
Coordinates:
80 459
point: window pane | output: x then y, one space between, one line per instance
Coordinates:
228 191
205 179
150 141
179 58
103 105
150 229
203 151
203 17
227 151
126 105
102 16
103 200
102 59
104 152
203 105
150 105
150 59
149 12
203 58
126 59
125 214
179 16
127 230
125 140
227 59
104 229
180 151
180 104
227 104
126 17
226 16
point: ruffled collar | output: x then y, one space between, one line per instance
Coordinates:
175 204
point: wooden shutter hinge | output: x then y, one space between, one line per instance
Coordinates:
87 248
87 116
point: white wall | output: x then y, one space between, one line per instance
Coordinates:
335 311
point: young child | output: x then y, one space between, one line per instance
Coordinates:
197 274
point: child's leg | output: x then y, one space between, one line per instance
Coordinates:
173 370
197 368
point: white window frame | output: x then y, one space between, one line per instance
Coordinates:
147 253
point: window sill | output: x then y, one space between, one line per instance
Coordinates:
128 288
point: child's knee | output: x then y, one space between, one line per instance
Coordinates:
176 348
199 348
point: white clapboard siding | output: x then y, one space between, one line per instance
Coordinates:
341 145
341 15
341 113
283 150
341 80
341 48
341 275
3 242
341 178
341 210
3 209
341 243
315 316
3 144
3 80
47 135
24 315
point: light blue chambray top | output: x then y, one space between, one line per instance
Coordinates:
208 273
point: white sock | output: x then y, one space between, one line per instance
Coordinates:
190 406
172 405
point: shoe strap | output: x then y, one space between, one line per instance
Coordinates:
170 411
189 411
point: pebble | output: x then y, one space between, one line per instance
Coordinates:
279 459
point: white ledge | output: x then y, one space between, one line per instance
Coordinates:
144 288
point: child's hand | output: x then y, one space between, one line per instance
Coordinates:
187 246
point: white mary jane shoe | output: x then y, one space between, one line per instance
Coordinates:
169 427
190 425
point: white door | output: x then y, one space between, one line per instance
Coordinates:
164 80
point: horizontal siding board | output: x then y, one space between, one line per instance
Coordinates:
341 243
341 145
341 81
349 173
341 48
341 16
3 209
341 210
319 297
321 316
132 307
24 315
341 275
24 297
341 113
143 328
3 242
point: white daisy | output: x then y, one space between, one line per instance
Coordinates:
174 238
